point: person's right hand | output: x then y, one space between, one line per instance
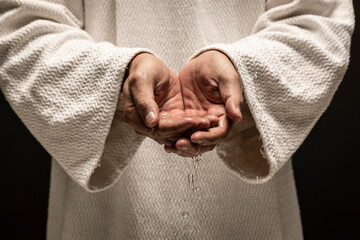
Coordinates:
153 103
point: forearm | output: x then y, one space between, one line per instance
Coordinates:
62 84
290 67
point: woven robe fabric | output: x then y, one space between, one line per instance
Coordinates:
61 68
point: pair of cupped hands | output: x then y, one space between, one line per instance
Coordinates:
189 113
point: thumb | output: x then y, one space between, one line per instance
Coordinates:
142 91
232 109
231 95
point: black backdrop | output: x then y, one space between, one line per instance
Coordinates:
327 169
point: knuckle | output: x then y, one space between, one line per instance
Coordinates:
132 82
141 105
137 78
232 74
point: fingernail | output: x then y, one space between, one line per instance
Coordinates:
149 117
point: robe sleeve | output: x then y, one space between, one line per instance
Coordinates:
62 84
290 67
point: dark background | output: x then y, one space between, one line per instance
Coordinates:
327 169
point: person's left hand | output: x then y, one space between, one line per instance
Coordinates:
210 85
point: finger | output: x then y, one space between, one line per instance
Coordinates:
232 109
187 146
131 115
149 132
202 118
213 135
231 94
165 142
173 149
214 120
180 153
203 123
174 127
188 154
141 87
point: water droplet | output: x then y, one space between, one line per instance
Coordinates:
198 196
196 189
184 214
192 176
196 230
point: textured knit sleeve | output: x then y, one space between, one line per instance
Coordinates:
63 85
290 67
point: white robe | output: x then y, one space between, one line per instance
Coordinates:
61 67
